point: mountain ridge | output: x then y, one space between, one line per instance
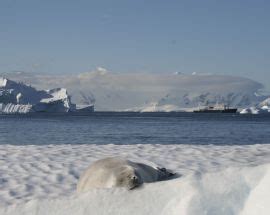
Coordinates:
139 91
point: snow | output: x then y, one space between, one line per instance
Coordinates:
258 200
15 108
214 180
132 91
20 98
259 110
3 82
155 107
266 102
84 108
56 94
251 110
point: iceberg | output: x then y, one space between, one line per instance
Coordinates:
59 101
251 110
262 108
266 102
20 98
15 108
84 108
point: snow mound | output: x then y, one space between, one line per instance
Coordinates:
42 180
258 201
232 191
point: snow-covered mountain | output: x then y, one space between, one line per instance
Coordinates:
261 108
266 102
149 92
20 98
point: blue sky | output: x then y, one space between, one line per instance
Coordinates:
72 36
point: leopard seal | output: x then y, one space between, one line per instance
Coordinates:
118 172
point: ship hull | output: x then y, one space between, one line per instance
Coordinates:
232 110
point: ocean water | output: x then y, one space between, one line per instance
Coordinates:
221 167
135 128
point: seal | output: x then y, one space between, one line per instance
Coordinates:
119 172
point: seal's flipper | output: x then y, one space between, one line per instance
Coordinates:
162 169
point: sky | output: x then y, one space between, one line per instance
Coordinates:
228 37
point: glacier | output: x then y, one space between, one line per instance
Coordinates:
112 91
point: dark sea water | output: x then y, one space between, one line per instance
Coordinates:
135 128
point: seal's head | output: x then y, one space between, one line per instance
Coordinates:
128 177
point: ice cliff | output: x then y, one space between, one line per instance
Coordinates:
20 98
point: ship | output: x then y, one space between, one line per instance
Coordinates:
216 109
